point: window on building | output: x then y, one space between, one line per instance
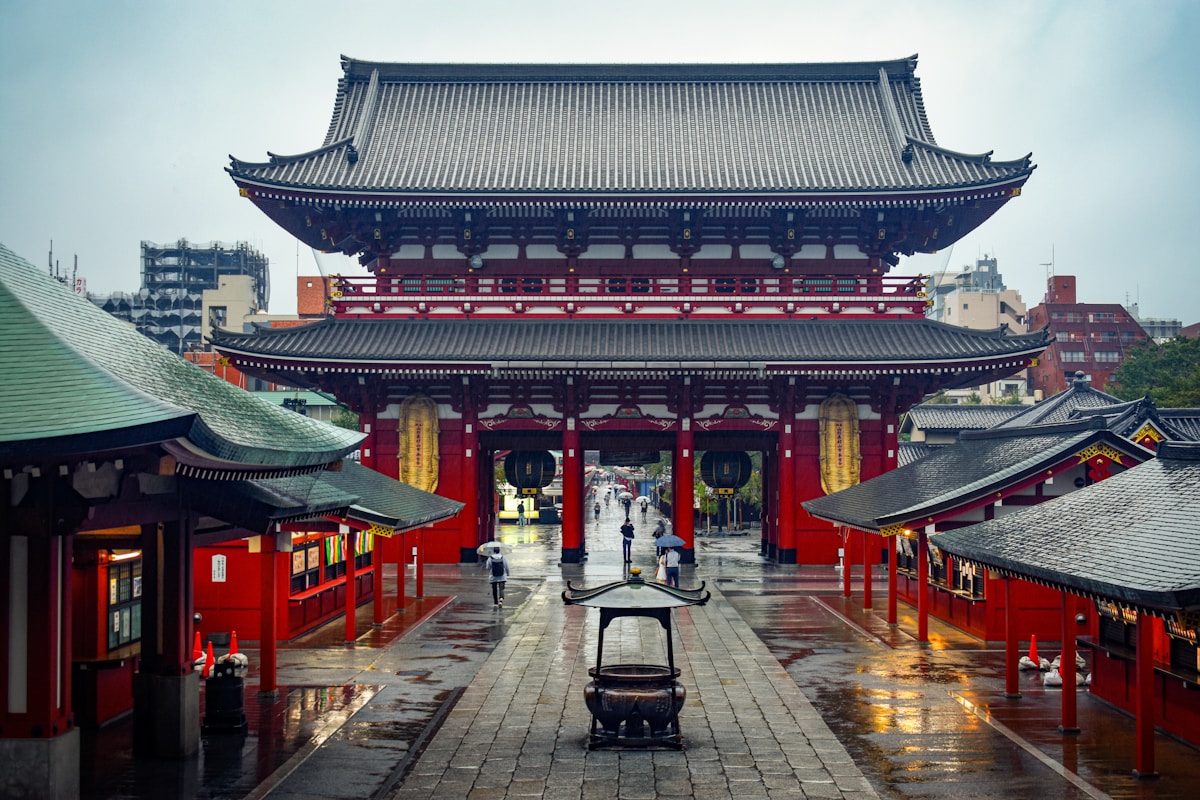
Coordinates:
1103 316
1107 336
1108 356
124 603
306 566
218 316
1056 315
1062 336
1127 337
1072 356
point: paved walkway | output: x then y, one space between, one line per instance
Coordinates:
520 729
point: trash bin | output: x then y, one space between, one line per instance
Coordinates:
224 700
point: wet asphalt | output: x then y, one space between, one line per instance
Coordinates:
918 721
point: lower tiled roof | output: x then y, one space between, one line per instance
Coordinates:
980 465
630 343
1130 539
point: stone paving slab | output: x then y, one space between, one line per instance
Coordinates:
520 729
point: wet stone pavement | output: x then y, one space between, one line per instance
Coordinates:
455 698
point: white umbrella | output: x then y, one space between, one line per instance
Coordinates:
641 498
626 495
487 548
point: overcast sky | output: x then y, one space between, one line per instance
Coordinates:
119 117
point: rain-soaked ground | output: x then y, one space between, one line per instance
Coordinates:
920 722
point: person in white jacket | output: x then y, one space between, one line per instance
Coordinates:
497 567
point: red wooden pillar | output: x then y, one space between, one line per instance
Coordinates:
1012 686
867 547
892 590
470 525
786 553
380 610
922 587
268 618
1143 745
683 476
572 486
845 562
38 737
402 572
420 562
351 539
1066 665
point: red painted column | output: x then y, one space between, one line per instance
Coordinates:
922 587
1012 686
402 573
892 591
470 525
379 613
350 538
683 476
572 485
1066 665
420 562
1143 744
787 550
268 619
846 562
867 547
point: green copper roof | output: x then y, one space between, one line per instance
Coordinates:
84 381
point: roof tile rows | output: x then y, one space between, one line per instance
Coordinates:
85 374
630 342
629 129
950 476
1153 563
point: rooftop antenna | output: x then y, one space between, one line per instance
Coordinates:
1050 265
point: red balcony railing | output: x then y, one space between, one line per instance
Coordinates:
492 294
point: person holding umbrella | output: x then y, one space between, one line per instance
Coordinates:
670 558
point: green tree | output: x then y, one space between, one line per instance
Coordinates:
1169 373
345 418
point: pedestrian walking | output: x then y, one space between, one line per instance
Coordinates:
671 560
521 514
645 507
597 509
497 567
627 540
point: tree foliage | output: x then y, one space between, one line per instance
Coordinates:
345 418
1169 373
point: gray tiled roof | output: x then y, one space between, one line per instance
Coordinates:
960 417
908 452
981 464
89 382
1060 407
386 501
1130 538
630 129
629 343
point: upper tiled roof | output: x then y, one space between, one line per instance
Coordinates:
959 417
626 130
628 344
981 464
89 382
1151 563
908 452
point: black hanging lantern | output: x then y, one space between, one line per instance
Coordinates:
725 472
529 470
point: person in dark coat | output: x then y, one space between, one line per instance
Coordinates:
497 567
627 540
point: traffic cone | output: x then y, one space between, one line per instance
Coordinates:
197 649
1033 653
233 643
209 662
